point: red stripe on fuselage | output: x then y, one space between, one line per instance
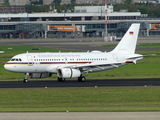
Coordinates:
47 63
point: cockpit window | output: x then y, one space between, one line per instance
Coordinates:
16 59
13 59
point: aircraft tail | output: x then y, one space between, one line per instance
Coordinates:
129 40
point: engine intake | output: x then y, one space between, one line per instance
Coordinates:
68 73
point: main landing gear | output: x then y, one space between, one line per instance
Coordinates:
80 79
61 79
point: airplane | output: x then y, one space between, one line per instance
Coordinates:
75 64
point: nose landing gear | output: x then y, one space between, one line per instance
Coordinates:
25 80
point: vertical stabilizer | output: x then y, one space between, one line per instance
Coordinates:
129 40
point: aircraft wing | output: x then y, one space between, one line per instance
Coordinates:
98 66
95 66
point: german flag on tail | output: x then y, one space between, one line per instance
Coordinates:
131 33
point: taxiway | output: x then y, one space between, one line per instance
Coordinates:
89 83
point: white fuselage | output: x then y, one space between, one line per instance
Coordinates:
50 62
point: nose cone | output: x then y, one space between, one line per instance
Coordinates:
8 67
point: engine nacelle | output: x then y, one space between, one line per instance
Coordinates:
39 75
68 73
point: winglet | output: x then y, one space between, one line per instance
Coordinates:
129 40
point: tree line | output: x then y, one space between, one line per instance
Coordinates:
144 8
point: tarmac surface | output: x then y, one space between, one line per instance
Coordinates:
150 82
80 44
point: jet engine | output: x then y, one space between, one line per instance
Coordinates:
39 75
68 73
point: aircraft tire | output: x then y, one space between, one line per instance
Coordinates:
81 79
61 79
25 80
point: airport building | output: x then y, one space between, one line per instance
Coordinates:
89 21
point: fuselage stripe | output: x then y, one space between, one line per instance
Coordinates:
47 63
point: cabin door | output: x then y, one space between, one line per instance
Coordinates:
115 57
30 60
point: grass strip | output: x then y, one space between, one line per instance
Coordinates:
147 45
80 99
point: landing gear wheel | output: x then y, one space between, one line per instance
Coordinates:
61 79
25 80
81 79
